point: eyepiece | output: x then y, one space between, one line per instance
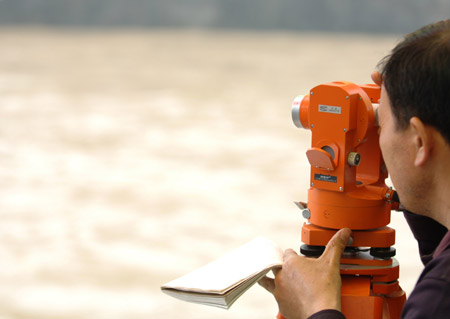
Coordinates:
375 110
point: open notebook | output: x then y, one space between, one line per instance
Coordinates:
221 282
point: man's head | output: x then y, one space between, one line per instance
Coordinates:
414 119
416 77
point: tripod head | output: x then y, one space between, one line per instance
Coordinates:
347 187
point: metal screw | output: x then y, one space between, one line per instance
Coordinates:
346 97
306 213
312 184
340 188
312 125
312 93
345 130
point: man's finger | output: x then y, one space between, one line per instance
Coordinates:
267 283
336 245
276 270
288 253
377 77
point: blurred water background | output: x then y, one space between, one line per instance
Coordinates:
131 154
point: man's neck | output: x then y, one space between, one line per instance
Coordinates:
439 199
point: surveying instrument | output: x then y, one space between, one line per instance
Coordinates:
347 189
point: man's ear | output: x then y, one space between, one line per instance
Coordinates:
422 139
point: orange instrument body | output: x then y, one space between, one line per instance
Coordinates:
348 189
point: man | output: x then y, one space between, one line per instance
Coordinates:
414 119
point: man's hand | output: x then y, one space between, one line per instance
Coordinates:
304 285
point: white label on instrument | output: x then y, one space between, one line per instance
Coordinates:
329 109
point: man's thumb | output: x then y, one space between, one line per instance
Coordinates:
336 245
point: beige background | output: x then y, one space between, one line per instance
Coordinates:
130 157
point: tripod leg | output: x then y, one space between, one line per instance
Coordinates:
357 301
394 304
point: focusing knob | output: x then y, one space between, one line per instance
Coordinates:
354 159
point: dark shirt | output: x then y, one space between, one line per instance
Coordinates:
427 232
431 295
327 314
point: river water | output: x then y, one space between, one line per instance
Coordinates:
130 157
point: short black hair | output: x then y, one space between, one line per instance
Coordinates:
416 76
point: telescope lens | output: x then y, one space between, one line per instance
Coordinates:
296 111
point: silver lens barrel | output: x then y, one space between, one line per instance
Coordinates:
295 111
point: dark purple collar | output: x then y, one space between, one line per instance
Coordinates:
443 245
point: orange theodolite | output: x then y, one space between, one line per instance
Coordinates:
347 189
